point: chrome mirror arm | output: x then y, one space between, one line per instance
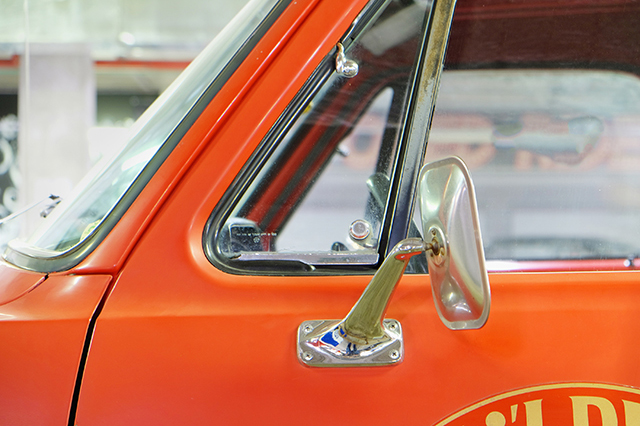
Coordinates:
363 325
364 337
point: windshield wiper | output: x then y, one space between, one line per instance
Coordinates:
55 200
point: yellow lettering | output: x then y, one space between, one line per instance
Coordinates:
631 413
514 413
534 412
495 418
581 410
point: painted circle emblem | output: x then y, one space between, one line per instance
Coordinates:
577 404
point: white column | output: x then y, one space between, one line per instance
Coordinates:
56 108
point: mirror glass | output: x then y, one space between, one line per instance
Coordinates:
459 279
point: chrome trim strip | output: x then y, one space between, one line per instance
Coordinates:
421 112
319 258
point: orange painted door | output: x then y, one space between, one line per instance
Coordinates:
43 325
201 324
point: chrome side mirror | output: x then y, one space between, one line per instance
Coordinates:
459 282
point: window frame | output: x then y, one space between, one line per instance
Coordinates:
402 173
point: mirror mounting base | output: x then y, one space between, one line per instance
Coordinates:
324 343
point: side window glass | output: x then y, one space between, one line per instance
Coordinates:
340 195
549 136
308 194
319 195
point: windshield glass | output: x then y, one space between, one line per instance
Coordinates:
97 195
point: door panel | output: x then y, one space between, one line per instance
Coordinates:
43 335
191 345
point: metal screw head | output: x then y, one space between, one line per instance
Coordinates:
359 230
630 262
438 253
394 354
308 328
393 326
307 356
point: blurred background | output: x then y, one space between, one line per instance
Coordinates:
74 76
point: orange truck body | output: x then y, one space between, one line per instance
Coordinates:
146 331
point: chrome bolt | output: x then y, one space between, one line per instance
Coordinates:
394 354
393 326
307 329
307 356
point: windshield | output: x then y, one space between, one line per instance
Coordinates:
76 218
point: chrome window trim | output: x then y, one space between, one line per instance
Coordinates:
421 107
293 264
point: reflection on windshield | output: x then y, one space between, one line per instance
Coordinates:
78 216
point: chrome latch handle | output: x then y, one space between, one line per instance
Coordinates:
345 67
